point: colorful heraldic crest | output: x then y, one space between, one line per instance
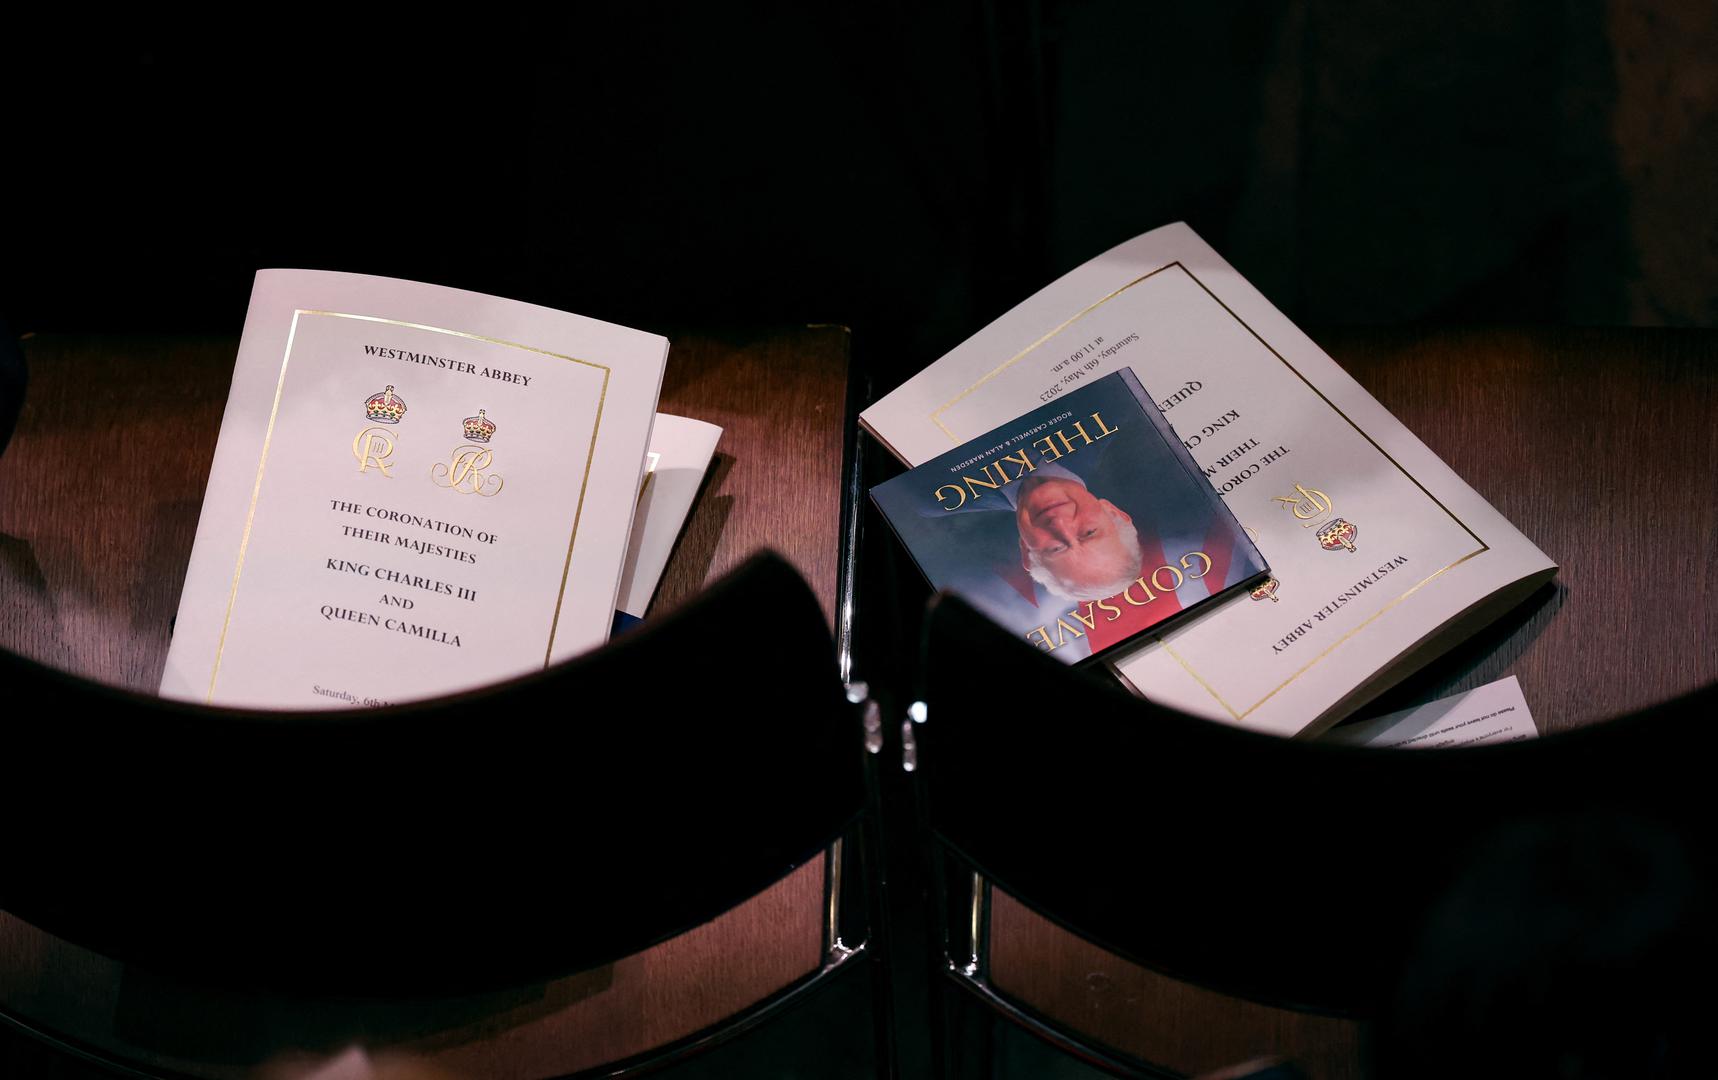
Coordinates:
479 428
385 407
1266 591
1338 534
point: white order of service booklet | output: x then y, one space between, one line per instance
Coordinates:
416 490
1380 556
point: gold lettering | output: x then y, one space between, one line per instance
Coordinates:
1089 618
1127 593
466 472
468 462
1115 612
960 493
1047 448
1063 630
1103 428
1190 574
1080 430
1160 585
1307 504
372 447
987 482
1043 641
1019 458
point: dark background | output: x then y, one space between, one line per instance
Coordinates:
908 170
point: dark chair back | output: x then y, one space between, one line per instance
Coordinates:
1289 872
528 829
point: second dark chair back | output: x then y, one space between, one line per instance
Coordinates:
1287 872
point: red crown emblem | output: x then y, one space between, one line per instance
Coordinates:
385 407
1338 534
478 428
1266 591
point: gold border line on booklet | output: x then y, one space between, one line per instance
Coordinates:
1328 650
250 514
936 418
268 438
578 512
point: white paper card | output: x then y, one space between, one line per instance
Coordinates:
1493 713
680 453
416 490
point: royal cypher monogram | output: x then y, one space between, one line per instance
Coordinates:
468 471
1308 504
373 447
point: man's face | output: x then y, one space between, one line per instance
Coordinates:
1073 532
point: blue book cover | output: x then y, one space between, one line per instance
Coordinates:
1078 526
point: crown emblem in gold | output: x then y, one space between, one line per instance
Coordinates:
385 407
478 428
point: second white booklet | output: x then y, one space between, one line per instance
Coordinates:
1380 555
416 490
